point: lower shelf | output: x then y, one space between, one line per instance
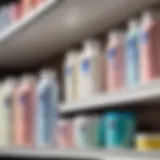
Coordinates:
80 154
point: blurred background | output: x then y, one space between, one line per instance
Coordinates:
80 79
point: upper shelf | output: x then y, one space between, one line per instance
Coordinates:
139 93
41 34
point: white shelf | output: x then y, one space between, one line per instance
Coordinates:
9 31
139 93
57 27
81 154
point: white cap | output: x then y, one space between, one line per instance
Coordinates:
27 78
132 23
116 33
91 44
71 57
48 73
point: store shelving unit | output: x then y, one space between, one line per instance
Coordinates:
139 93
54 29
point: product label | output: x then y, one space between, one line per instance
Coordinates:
7 101
68 70
85 65
24 99
144 37
111 53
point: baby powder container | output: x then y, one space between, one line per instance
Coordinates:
120 129
6 111
71 71
115 60
24 112
149 46
85 132
64 136
132 53
90 68
47 93
148 142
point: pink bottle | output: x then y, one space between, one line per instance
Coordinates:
64 138
149 47
115 61
24 110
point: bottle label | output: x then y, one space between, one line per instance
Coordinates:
144 37
68 70
85 67
7 101
24 99
111 53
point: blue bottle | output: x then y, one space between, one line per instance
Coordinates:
120 129
132 54
47 104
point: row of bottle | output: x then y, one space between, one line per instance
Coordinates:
111 130
28 110
15 11
130 58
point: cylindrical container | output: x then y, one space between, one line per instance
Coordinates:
6 111
132 54
70 76
26 6
146 142
12 13
120 129
36 3
86 132
115 61
24 111
46 112
90 69
64 138
149 47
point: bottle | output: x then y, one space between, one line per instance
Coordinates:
24 111
47 106
86 134
149 46
132 54
90 65
71 76
6 111
64 138
120 129
115 61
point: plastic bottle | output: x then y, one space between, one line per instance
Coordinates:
71 76
46 112
24 111
149 47
64 137
120 129
86 132
90 65
115 61
132 54
6 112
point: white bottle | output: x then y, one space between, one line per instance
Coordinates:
90 74
71 76
6 111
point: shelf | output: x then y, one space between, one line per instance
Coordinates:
140 93
83 154
55 28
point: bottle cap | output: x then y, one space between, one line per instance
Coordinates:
92 44
133 23
48 73
27 78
